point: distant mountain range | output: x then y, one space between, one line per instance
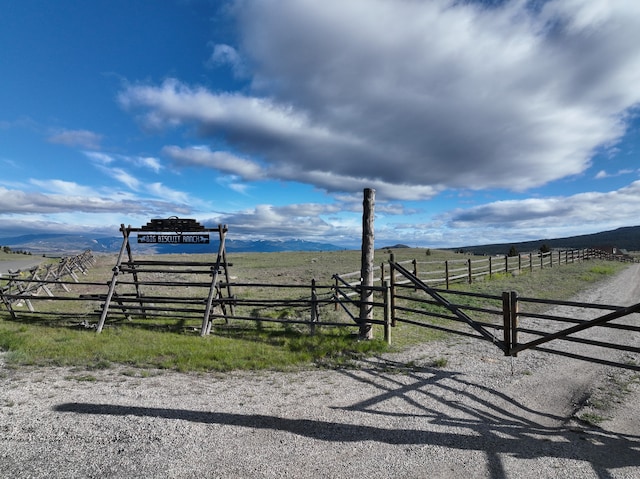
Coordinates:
69 244
622 238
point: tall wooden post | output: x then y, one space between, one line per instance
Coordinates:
507 319
387 311
366 269
392 289
513 299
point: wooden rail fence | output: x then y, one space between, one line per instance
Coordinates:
468 270
26 285
407 292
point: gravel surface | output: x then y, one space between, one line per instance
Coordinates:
18 264
481 415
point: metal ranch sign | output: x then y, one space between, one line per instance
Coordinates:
174 239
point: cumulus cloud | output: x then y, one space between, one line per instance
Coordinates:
555 214
416 97
76 138
267 220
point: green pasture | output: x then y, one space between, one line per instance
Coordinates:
172 344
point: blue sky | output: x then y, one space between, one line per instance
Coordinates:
475 122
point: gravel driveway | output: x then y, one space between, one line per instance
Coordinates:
18 264
482 415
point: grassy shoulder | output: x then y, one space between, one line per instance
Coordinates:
231 349
243 345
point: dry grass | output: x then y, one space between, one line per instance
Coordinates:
174 343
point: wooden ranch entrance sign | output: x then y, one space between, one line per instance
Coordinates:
174 239
171 230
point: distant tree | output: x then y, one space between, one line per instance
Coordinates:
6 249
512 251
428 252
545 248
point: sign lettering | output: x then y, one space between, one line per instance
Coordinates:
174 239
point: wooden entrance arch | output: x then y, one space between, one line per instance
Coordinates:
168 231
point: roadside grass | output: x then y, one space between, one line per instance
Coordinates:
616 387
254 345
230 349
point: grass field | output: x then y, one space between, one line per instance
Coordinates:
254 345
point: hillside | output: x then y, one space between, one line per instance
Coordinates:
623 238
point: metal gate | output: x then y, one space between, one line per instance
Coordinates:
506 331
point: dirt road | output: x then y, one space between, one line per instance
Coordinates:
482 415
18 264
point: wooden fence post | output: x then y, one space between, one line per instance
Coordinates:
506 263
490 269
314 306
366 269
387 312
392 290
506 322
519 262
513 310
469 270
414 262
446 273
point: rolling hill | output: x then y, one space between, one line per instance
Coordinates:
622 238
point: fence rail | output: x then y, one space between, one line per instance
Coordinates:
27 285
468 270
410 292
505 321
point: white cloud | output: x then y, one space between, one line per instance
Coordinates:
227 55
149 162
416 97
552 217
76 138
162 191
219 160
17 201
63 187
100 158
274 222
123 177
241 188
603 174
61 197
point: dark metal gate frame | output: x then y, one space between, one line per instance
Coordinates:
509 344
503 344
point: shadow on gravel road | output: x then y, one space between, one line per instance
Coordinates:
443 410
